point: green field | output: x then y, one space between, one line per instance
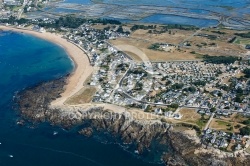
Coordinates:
242 41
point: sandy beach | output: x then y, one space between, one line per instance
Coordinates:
82 70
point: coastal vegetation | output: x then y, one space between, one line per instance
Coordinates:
84 96
247 73
13 20
220 59
68 21
144 27
71 21
155 46
181 27
245 130
232 40
244 35
164 28
219 32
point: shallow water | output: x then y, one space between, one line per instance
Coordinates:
170 19
233 8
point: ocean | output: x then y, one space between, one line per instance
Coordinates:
26 61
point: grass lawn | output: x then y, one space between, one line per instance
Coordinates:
190 116
242 41
221 125
83 96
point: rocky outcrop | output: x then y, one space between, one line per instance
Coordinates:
34 102
177 148
88 131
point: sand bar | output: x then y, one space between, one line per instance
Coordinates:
82 71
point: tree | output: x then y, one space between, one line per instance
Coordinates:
244 35
247 73
177 86
220 59
245 131
237 126
213 109
238 98
239 91
174 105
246 122
148 108
120 29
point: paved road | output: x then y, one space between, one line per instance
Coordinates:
119 83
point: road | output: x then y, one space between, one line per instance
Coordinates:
20 12
188 38
209 121
119 83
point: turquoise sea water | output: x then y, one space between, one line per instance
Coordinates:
26 61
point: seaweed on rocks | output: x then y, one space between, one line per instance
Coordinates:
34 101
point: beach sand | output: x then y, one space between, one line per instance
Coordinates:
82 70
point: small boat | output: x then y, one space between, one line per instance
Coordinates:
11 156
55 133
136 152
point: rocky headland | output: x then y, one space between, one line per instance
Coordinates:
177 146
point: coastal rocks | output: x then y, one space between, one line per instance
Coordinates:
131 131
33 102
87 132
175 147
185 153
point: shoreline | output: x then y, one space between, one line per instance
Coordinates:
82 68
123 125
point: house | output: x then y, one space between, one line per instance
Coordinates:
177 116
169 114
144 106
158 111
238 147
38 28
208 131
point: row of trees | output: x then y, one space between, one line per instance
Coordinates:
13 19
244 35
220 59
178 26
69 21
145 27
164 28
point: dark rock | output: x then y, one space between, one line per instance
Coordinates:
86 132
